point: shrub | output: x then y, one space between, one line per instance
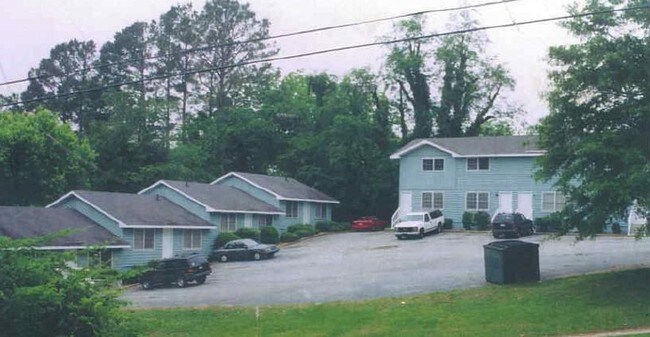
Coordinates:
269 234
482 220
549 223
305 229
303 233
224 238
449 223
327 226
248 233
344 226
468 220
43 296
289 237
616 228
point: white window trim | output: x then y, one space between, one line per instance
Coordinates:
478 164
287 206
144 239
234 215
477 202
433 164
185 232
432 200
323 211
554 208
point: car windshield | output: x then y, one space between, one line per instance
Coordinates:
411 217
503 217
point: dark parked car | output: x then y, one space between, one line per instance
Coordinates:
178 271
368 223
244 249
511 224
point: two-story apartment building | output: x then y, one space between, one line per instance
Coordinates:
473 174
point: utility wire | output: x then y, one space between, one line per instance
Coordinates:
273 37
326 51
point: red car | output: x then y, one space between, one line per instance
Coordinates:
368 223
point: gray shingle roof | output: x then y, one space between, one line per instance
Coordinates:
479 146
143 210
286 188
32 222
223 198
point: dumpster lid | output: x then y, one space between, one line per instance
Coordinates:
505 244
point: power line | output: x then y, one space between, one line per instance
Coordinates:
273 37
326 51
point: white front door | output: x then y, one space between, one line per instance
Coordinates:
505 202
405 203
248 220
167 243
525 204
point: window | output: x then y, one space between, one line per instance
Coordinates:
432 200
143 239
478 164
433 164
192 239
553 201
228 222
321 211
477 201
100 258
264 220
291 209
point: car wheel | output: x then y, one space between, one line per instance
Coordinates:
421 233
180 283
200 280
223 258
146 285
257 256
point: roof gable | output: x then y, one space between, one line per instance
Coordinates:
219 198
138 211
283 188
462 147
32 222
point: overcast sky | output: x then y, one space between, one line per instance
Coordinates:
30 28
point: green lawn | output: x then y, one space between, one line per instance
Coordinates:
602 302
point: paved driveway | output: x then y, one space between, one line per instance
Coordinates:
353 266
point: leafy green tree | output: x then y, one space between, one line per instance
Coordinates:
176 33
131 146
40 158
336 139
67 70
41 295
407 63
597 136
451 85
129 55
222 23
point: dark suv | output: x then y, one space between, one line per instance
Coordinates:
514 224
178 271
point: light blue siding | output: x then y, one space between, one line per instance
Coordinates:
506 174
128 258
207 238
92 214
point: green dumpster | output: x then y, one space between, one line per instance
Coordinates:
511 261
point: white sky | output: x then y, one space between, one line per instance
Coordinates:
30 28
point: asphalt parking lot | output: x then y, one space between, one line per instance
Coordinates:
355 266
